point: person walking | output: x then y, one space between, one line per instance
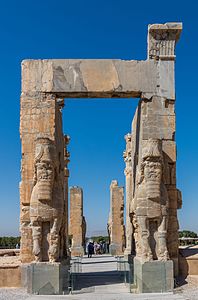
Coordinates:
90 249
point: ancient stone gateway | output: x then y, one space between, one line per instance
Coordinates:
152 196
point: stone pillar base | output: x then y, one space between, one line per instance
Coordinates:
115 249
46 278
77 251
153 276
127 252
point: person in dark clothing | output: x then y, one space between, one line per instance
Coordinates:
90 249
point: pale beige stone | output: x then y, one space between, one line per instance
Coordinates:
10 276
116 228
150 205
77 224
65 228
104 74
44 85
43 207
162 39
128 183
90 78
155 119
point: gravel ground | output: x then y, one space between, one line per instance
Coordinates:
13 294
10 260
188 288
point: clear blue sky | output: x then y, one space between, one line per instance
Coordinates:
94 29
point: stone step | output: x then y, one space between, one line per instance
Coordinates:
112 296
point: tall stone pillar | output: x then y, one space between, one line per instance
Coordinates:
155 197
116 228
42 207
128 185
42 178
66 192
77 223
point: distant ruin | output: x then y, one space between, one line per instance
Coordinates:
77 224
116 228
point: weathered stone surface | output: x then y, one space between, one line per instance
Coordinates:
128 183
152 196
155 119
153 277
162 39
77 224
89 78
10 276
116 228
65 227
150 205
42 185
109 78
158 119
46 278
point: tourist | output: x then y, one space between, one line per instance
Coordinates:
90 249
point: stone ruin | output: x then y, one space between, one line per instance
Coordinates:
152 198
129 249
115 227
77 224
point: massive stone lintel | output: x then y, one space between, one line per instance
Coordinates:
84 78
103 78
99 78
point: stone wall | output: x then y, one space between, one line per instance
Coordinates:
10 276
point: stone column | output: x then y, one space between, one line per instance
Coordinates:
42 146
76 225
116 219
128 184
155 197
66 177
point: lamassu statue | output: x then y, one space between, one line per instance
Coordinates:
150 205
46 206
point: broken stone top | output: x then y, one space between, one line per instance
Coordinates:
114 183
162 39
67 139
168 27
76 188
127 137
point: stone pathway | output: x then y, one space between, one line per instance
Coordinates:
99 275
99 280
